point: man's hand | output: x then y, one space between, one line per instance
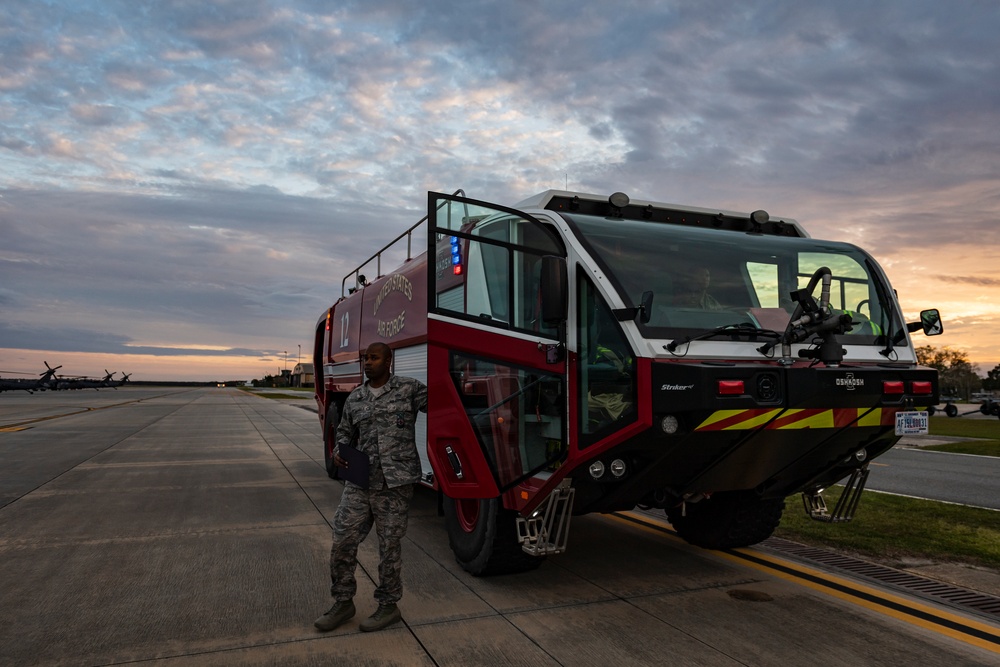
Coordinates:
339 462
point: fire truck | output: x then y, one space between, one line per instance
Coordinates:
587 353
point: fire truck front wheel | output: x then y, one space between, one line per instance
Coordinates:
483 537
329 439
727 520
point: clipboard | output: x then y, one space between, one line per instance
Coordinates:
358 466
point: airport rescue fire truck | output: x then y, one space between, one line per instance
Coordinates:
589 353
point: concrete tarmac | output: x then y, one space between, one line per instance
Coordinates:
172 526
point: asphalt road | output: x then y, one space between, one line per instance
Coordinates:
956 478
192 527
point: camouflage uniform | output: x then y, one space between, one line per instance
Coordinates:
385 431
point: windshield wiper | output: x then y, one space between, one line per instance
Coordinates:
735 331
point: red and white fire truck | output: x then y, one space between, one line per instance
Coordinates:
588 353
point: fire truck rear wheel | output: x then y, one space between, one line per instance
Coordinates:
329 438
727 520
483 537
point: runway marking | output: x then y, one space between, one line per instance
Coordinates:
28 422
963 629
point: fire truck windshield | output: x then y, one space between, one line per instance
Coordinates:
706 278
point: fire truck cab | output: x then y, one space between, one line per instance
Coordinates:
586 353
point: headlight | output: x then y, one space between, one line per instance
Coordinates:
669 424
596 469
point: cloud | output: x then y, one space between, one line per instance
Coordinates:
206 173
976 281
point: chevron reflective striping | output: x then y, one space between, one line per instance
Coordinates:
797 418
807 418
734 420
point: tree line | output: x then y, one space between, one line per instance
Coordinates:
957 375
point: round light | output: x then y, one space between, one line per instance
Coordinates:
669 424
760 217
619 200
596 469
617 467
861 454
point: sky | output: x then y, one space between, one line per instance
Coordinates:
184 184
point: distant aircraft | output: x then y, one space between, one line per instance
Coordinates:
86 383
44 381
17 384
49 381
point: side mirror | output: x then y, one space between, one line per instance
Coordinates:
646 307
930 322
554 290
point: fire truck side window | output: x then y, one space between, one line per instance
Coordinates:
607 369
517 413
496 277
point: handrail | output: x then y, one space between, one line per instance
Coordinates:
378 255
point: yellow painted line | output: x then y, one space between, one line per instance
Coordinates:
957 627
70 414
12 429
960 628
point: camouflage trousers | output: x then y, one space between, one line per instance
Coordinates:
387 509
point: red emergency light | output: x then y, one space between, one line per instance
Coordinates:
731 388
892 387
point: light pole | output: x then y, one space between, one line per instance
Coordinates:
286 360
299 360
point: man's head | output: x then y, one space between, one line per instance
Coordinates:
691 284
378 361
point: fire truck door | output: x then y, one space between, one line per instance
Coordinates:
496 372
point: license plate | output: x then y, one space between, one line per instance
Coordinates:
911 423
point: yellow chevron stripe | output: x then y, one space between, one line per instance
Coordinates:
759 420
718 416
873 418
821 420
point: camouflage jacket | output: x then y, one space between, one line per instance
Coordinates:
384 426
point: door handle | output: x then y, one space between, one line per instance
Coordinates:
456 464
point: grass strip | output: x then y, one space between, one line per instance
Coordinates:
895 529
965 428
987 432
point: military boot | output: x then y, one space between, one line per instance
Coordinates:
384 616
339 614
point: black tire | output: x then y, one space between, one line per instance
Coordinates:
931 410
727 520
951 410
483 537
329 439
